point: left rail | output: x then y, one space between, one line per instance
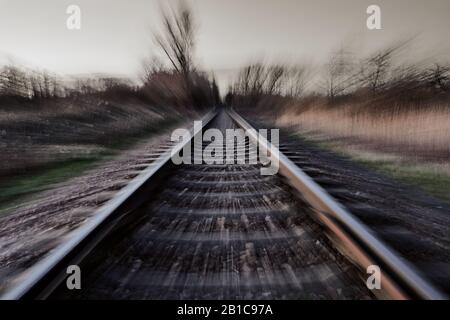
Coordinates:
41 279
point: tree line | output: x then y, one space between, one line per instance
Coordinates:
380 75
170 77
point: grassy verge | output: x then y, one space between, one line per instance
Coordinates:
432 178
429 179
24 186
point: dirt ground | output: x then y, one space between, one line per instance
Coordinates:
31 230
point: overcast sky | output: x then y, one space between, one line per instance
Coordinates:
116 34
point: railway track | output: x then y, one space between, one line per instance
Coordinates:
223 231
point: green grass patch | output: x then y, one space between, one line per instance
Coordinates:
432 179
23 187
15 190
427 179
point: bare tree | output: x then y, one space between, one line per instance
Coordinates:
151 67
339 76
296 81
258 79
439 77
47 85
375 70
35 81
14 82
177 39
276 75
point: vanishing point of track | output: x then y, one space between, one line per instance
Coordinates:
223 231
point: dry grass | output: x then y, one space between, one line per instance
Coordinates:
415 133
411 146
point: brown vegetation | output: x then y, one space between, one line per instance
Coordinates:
170 76
377 102
45 118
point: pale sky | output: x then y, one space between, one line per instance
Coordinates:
115 35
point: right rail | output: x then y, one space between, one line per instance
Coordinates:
401 280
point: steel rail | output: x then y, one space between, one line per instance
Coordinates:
402 281
42 278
